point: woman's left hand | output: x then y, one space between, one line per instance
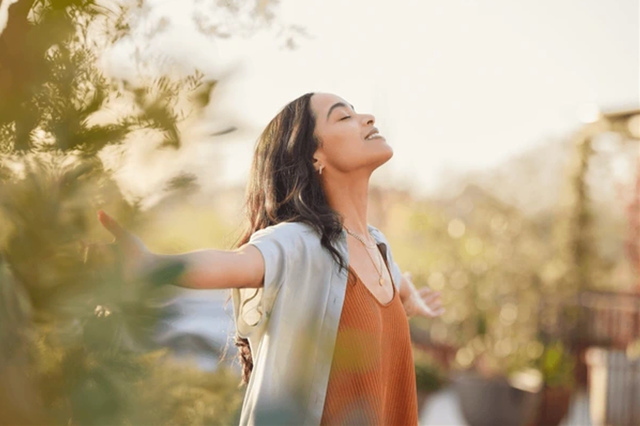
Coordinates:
423 302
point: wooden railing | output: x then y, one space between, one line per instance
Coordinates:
593 318
608 320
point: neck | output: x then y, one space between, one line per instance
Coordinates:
349 197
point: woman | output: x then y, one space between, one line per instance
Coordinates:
320 305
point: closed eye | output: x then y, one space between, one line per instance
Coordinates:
344 118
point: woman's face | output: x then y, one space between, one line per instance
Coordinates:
343 132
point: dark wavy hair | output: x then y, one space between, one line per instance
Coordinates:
284 186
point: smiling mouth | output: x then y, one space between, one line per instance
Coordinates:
375 135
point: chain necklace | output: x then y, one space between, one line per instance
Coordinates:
359 238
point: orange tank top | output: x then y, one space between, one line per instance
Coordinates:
372 379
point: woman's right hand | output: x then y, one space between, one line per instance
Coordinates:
129 250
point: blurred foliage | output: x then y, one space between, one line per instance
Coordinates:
488 260
76 341
557 365
430 376
507 274
53 92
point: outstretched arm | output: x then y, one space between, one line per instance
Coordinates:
243 267
423 302
218 269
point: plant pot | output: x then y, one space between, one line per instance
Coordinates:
554 406
493 401
614 387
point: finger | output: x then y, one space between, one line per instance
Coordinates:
111 225
437 312
431 296
432 301
435 306
426 296
425 290
433 311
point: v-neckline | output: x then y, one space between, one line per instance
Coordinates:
384 305
393 296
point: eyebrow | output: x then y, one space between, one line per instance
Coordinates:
336 105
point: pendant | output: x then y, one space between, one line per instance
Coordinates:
381 281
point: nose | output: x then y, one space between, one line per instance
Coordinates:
369 118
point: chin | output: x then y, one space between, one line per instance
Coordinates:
389 153
384 158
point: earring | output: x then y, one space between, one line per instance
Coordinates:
320 169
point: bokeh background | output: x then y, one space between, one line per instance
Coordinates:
514 190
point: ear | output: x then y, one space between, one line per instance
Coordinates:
316 162
318 158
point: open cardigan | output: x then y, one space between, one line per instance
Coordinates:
292 322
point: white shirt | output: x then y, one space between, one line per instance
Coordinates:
292 323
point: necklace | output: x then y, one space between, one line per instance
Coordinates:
359 238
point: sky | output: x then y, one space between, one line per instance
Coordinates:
454 85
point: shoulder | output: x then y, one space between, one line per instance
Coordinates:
288 227
286 231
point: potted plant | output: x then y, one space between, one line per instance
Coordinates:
430 377
557 367
496 388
